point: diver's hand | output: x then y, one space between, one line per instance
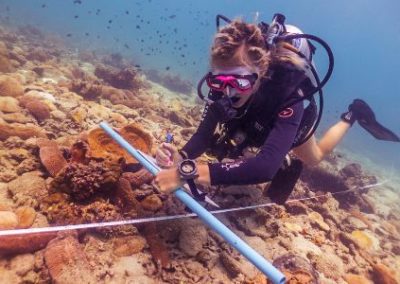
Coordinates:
167 155
168 180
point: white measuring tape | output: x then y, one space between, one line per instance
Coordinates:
160 218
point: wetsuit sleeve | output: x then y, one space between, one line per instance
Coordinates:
265 165
201 139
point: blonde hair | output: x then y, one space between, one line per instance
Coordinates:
240 43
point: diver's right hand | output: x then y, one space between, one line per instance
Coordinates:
167 155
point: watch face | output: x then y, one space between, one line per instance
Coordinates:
187 167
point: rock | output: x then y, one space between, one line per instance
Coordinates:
22 264
9 104
125 246
192 237
26 217
8 220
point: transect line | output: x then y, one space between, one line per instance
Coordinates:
162 218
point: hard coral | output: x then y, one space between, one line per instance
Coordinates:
10 86
50 156
121 79
36 107
103 146
67 261
23 131
84 181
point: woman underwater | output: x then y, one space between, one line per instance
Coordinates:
249 82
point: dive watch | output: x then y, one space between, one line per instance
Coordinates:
188 169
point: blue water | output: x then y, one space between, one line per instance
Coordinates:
176 35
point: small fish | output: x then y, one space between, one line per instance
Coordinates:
43 5
109 21
76 16
138 27
127 12
69 35
172 17
126 46
86 34
137 66
167 68
77 2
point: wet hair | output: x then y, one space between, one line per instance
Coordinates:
240 43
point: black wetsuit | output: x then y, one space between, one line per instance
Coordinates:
265 129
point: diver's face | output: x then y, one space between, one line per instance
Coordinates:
238 97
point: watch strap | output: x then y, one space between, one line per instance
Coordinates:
195 192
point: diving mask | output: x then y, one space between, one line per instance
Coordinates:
242 83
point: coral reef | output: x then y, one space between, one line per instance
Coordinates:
120 79
103 146
57 168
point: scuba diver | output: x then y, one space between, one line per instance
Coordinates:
260 79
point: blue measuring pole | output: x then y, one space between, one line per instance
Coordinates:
254 257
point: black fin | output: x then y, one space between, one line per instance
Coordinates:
379 131
366 118
284 181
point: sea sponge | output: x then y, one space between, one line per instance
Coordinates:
10 86
103 146
50 156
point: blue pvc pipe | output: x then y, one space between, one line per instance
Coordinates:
261 263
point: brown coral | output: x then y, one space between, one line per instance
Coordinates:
296 269
125 246
67 262
50 156
121 79
23 131
103 146
84 181
37 108
24 243
10 87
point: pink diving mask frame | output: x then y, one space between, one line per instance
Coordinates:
242 83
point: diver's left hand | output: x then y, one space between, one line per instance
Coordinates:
168 180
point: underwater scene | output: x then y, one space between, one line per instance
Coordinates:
172 141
